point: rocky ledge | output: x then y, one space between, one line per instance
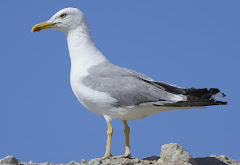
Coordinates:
171 154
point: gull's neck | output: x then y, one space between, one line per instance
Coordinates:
82 49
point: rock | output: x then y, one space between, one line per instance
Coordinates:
9 160
152 158
216 160
83 161
174 154
95 162
137 160
73 163
226 160
30 162
121 161
46 163
171 154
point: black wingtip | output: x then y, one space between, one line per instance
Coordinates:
221 103
224 95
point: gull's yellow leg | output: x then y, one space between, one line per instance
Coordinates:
127 131
109 139
127 150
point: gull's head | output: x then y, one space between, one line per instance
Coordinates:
64 20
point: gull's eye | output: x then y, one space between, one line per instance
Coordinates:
63 15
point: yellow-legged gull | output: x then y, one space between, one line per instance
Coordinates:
116 92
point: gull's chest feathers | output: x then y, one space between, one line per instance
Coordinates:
93 100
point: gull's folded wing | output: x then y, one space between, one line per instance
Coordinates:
132 88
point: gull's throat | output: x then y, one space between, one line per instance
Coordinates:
82 49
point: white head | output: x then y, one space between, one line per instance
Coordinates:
72 22
64 20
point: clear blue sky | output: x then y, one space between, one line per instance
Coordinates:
186 43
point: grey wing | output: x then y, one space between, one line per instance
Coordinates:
139 75
129 87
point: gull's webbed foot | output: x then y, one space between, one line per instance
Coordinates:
126 155
107 156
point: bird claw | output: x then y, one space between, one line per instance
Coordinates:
122 156
106 156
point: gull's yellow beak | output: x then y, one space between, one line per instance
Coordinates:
42 26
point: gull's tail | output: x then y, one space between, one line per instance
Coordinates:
200 97
195 97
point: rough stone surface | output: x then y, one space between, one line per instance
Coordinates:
83 161
174 154
216 160
9 160
171 154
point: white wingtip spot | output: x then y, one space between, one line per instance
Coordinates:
218 96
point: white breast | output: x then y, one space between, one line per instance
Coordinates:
95 101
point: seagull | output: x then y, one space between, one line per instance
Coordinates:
115 92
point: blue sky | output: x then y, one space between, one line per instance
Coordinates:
186 43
